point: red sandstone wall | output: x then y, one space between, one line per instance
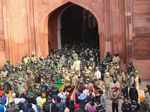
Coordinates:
2 39
110 31
141 29
24 27
141 37
44 8
16 29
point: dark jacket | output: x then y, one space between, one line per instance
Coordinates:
133 94
126 107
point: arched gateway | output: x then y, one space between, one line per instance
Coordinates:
57 31
75 25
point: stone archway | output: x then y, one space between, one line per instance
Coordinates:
42 47
74 24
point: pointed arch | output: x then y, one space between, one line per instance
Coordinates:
59 12
70 3
42 30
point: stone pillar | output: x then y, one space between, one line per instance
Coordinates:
31 27
129 28
108 39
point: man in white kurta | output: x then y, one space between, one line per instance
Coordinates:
76 65
97 74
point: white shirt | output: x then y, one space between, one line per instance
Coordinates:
97 74
19 100
34 108
86 92
76 65
62 95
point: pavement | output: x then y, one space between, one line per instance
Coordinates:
108 105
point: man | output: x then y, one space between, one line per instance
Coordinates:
107 81
133 93
2 106
115 101
97 74
100 101
107 59
131 69
124 89
115 94
126 105
90 106
116 59
147 99
76 64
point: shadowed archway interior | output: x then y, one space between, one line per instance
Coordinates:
75 25
78 26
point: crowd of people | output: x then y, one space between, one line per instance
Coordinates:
72 79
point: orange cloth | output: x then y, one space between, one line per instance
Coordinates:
141 95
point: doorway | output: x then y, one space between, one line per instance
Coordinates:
71 25
77 26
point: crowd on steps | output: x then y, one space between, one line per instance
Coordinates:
72 79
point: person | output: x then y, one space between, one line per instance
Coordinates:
28 106
69 69
107 59
146 102
133 93
115 101
137 81
62 94
126 105
115 94
2 106
90 106
76 64
60 105
75 79
41 100
107 81
124 90
97 74
134 106
130 69
82 97
101 101
132 80
67 109
116 59
115 86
